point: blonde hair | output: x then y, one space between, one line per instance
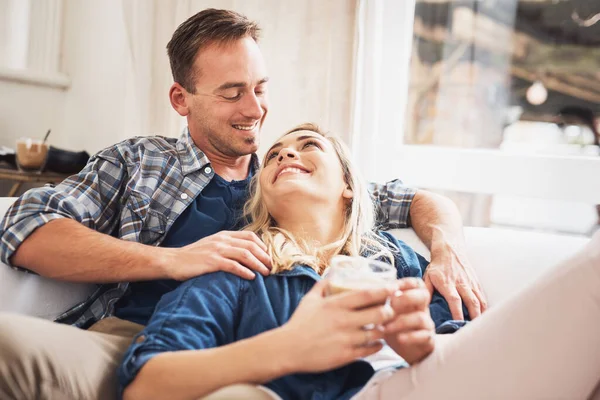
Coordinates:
357 237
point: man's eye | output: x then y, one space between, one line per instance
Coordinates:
236 97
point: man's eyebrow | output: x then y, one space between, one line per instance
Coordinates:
298 139
230 85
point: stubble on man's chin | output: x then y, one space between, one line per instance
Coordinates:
250 146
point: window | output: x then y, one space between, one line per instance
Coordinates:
14 33
502 108
30 41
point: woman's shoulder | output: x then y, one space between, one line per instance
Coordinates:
393 243
407 260
219 284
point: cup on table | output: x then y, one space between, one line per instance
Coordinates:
31 155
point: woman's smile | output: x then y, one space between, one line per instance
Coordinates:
291 170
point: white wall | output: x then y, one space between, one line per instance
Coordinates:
91 113
27 110
95 58
308 47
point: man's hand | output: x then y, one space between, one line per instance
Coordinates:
411 332
451 274
237 252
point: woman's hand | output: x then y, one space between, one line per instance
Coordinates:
327 332
411 332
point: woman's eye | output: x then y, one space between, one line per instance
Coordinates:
310 143
271 156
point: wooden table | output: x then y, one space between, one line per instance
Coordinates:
18 177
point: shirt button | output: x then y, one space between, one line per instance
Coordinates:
207 170
184 196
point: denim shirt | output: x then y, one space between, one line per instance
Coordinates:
219 308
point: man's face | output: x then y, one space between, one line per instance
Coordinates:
227 111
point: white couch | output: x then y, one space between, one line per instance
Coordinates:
504 260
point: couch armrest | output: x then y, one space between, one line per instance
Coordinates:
34 295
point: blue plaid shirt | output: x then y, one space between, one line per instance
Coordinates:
134 191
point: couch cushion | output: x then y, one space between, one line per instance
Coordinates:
506 260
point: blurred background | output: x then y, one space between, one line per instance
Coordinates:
494 103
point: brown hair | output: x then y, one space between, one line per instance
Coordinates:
207 26
357 237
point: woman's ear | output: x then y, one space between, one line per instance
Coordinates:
348 193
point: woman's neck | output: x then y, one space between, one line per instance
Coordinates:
314 225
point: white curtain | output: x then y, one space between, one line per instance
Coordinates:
307 45
149 25
383 47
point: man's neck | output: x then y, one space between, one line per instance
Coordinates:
231 170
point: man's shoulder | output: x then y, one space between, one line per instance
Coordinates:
133 149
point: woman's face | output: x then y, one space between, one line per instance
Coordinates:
303 168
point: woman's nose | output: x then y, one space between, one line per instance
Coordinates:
286 153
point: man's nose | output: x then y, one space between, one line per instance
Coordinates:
252 107
287 154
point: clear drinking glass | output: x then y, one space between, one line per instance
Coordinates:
358 273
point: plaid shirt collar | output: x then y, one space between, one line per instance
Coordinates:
191 157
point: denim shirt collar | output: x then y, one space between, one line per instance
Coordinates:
301 270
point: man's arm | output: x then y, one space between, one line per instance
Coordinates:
65 249
46 227
63 233
437 222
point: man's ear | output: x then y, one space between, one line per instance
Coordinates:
179 99
348 193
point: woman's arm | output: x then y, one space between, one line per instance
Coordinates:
191 374
323 333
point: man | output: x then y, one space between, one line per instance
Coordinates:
156 211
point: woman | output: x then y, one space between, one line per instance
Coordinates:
280 331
